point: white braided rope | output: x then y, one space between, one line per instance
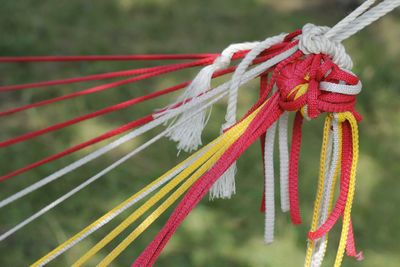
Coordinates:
225 187
237 76
341 25
284 161
269 184
314 41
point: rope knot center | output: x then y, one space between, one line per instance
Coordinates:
315 84
314 41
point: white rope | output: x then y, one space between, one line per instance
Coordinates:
225 187
269 184
366 19
188 135
237 76
313 41
284 161
349 19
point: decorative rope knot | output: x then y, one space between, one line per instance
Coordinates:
315 84
313 40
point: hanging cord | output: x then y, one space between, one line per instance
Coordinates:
225 187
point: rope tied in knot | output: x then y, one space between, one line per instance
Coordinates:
315 84
313 40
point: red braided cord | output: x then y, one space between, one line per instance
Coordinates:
107 86
347 154
274 50
94 77
104 58
351 250
294 170
107 135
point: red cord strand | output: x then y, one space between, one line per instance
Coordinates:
73 149
294 170
107 86
94 77
347 154
104 58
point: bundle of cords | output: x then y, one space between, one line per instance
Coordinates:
306 72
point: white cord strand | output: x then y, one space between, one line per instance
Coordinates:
269 184
366 19
237 76
349 19
284 161
225 187
188 135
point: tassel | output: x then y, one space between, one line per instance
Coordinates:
188 133
225 187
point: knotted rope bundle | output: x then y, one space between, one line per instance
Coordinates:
306 72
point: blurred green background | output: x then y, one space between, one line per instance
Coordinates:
219 233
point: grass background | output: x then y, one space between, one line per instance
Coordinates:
221 233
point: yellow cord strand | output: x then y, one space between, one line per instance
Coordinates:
347 210
77 236
161 209
227 139
317 203
332 192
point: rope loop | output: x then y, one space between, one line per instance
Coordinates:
313 40
314 84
